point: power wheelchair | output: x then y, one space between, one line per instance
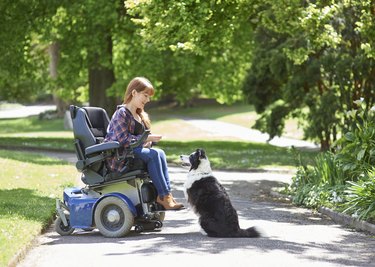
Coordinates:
111 202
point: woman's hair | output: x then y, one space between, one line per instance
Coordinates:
139 84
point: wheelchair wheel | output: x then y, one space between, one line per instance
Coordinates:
61 229
113 217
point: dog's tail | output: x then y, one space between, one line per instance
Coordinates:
249 232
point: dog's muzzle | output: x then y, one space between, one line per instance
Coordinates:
185 162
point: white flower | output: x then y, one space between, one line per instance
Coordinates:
180 45
372 109
355 214
359 102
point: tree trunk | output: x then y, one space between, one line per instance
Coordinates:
325 141
100 79
53 51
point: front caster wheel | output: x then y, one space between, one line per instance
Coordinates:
158 224
61 229
139 229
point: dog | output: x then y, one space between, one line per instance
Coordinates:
210 201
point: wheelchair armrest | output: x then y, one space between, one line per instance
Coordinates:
101 147
140 140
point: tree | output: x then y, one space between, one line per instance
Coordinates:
20 53
324 48
213 37
84 31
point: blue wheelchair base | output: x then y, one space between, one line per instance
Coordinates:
80 205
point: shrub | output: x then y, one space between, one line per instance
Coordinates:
361 197
346 179
320 185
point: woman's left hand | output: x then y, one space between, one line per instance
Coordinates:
147 144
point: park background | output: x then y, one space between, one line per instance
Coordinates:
304 69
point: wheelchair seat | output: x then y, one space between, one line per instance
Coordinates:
90 128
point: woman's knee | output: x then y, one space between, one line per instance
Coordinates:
160 152
151 154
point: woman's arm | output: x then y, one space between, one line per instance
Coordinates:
120 128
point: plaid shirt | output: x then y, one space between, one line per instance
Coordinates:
120 129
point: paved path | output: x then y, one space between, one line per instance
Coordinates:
219 128
292 236
25 111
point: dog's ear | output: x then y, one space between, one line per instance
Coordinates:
202 154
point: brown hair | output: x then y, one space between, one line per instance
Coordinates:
139 84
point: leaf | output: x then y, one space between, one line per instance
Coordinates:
349 136
361 154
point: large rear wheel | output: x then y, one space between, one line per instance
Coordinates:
113 217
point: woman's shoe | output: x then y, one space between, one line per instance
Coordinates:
169 203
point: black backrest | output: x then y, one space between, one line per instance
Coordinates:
89 125
98 121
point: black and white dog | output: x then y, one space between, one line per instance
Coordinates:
210 201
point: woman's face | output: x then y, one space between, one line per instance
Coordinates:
140 99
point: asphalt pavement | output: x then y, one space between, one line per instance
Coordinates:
292 236
25 111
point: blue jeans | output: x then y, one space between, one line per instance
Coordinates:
157 167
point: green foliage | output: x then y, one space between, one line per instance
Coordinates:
346 179
211 37
357 153
22 64
318 185
186 48
314 56
361 197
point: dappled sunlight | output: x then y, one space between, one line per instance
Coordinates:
65 134
27 157
180 130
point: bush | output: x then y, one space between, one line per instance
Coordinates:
361 197
320 185
344 180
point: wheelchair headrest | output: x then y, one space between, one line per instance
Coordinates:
98 120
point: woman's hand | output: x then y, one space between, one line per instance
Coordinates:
154 138
147 144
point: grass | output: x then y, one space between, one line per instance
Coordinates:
238 155
29 183
33 127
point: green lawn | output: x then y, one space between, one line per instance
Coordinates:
29 184
238 155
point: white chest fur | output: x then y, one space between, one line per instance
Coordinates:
203 170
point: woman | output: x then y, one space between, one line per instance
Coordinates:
127 124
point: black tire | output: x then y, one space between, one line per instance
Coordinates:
113 217
158 225
61 229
